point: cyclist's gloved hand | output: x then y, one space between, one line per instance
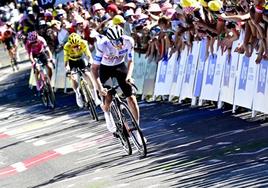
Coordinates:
130 80
34 65
67 68
52 62
103 91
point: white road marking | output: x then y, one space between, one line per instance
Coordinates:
36 125
65 150
98 170
72 185
31 140
5 115
20 167
86 135
121 185
3 129
153 186
3 158
96 178
39 143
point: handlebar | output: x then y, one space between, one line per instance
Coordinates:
75 70
133 85
112 90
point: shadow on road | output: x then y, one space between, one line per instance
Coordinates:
188 147
193 147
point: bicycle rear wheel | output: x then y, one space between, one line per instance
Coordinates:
133 129
121 130
90 102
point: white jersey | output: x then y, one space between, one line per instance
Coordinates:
107 54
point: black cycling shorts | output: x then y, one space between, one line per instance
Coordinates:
81 64
120 73
10 43
42 57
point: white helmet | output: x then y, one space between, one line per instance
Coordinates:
114 32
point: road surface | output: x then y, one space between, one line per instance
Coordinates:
64 148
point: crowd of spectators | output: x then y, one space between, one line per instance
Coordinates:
159 27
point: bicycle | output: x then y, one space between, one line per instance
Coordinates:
13 59
46 92
86 92
126 124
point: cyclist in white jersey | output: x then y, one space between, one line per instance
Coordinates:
109 61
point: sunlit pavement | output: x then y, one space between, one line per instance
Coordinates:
188 147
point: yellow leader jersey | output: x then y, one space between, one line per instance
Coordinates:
75 54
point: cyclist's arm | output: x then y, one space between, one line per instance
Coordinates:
96 77
46 48
29 51
130 58
31 57
88 53
15 39
95 69
66 57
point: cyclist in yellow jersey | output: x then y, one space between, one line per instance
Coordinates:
74 50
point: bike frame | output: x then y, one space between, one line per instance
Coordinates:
81 77
88 99
42 69
47 93
124 128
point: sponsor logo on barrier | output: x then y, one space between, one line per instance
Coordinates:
150 71
262 77
211 69
163 71
233 70
202 57
199 78
139 68
176 70
227 71
244 73
189 68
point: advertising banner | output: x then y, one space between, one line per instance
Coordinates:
149 79
200 69
260 102
165 75
139 71
229 77
213 75
245 82
179 69
190 73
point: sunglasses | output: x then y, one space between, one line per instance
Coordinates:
76 46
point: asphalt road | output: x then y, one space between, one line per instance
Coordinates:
188 146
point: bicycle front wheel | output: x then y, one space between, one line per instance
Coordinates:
44 97
51 100
121 130
90 102
133 129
